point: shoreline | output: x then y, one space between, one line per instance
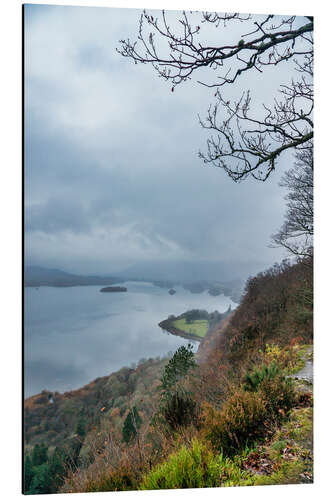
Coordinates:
165 325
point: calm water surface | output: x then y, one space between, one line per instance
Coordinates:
74 335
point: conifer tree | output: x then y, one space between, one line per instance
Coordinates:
28 472
39 454
81 427
41 482
131 425
177 407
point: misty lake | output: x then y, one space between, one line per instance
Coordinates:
76 334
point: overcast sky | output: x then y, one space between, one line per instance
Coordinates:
112 175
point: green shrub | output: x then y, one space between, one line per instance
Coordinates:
265 398
179 409
113 480
194 467
276 390
279 395
241 422
258 375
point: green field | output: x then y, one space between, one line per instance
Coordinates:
197 327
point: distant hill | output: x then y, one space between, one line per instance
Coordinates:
40 276
217 278
189 272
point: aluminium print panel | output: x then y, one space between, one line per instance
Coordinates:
168 249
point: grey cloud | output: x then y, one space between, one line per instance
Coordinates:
111 167
92 57
57 215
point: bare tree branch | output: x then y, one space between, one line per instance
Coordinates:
270 41
296 233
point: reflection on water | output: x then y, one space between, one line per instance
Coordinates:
74 335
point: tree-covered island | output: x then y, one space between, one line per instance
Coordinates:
114 289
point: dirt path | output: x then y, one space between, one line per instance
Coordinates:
306 373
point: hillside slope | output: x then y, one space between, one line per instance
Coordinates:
235 411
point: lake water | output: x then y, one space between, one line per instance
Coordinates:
74 335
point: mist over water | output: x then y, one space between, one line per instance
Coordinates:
76 334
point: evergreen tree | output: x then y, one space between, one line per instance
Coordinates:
176 369
41 482
28 472
131 425
39 454
81 427
177 407
57 469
